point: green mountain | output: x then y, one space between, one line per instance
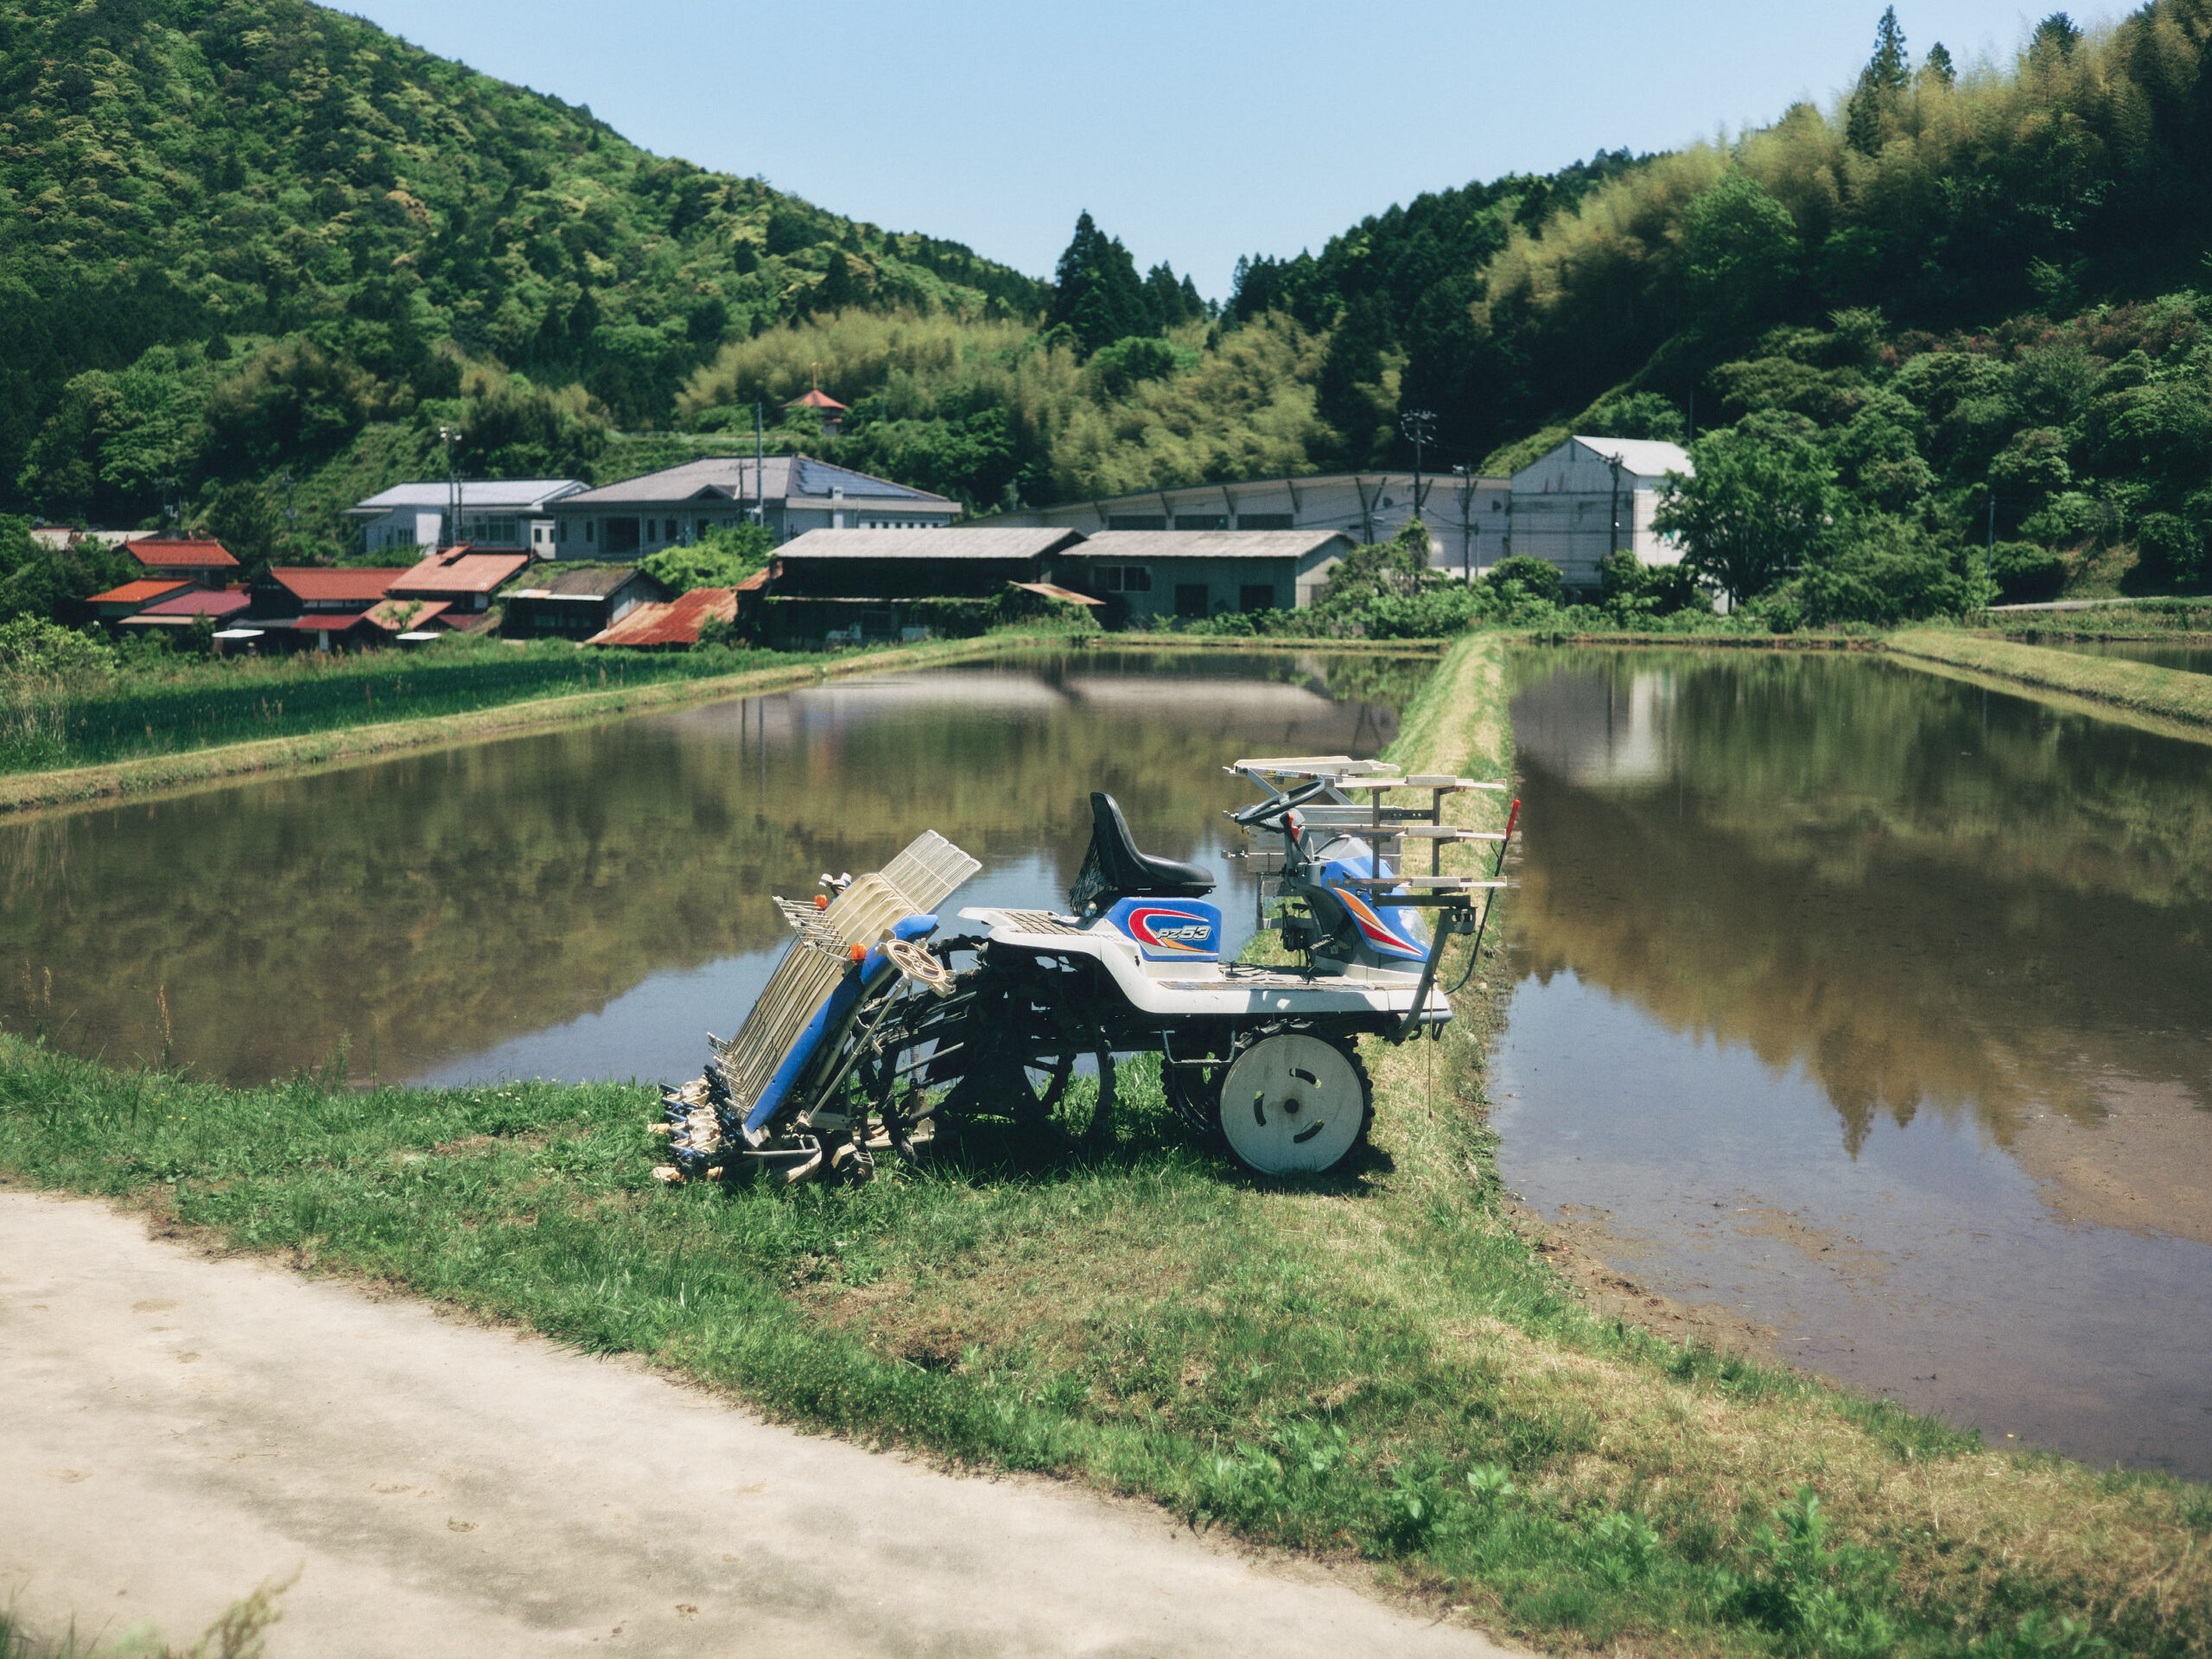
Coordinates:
261 226
254 254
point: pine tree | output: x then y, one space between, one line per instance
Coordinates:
1350 370
1887 75
1939 66
1095 290
1165 296
2055 37
1890 68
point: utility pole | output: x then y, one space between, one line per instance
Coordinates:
1467 476
1420 427
1613 531
450 434
760 465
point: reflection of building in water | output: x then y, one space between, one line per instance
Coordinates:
1594 728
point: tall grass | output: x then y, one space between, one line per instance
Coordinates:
47 724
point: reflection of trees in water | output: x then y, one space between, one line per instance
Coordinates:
456 900
1842 871
1774 740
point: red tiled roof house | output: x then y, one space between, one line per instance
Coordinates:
203 560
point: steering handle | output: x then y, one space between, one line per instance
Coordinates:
1263 812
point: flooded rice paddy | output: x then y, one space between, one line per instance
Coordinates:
590 903
2191 658
1877 1009
1867 1005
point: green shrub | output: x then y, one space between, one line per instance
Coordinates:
2024 571
1538 579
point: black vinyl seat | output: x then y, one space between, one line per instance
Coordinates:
1125 872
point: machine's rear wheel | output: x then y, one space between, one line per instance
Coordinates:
1293 1102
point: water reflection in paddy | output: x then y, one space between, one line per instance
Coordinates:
587 903
1877 1008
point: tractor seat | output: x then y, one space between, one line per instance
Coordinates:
1133 874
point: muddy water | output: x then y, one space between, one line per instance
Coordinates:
1879 1010
589 903
2195 658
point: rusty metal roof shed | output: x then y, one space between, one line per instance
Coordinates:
675 622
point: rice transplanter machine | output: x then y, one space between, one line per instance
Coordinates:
872 1038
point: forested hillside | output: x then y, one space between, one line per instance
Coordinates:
254 253
236 233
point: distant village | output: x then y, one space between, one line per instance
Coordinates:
859 559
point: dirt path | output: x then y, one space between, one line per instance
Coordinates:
172 1430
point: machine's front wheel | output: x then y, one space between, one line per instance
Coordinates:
1293 1102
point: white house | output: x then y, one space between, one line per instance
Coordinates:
792 494
1590 497
494 513
1465 515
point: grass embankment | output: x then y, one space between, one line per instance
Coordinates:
2163 699
1376 1366
202 728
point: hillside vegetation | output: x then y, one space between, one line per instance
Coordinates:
240 235
254 253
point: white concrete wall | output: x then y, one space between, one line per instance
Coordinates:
1569 508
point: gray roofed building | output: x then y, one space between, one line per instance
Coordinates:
1465 513
495 512
1190 573
575 601
968 542
792 494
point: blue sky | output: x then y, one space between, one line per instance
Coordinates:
1194 131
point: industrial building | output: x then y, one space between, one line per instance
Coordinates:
1465 514
1592 497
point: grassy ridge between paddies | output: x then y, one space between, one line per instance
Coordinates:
1375 1365
370 731
2166 700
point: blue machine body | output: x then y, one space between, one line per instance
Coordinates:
1171 929
1393 931
831 1015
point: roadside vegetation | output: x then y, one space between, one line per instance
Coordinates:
240 1631
1376 1366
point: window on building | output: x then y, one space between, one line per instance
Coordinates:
1256 596
588 527
1265 521
1202 521
1136 521
621 536
1190 599
561 532
1121 578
